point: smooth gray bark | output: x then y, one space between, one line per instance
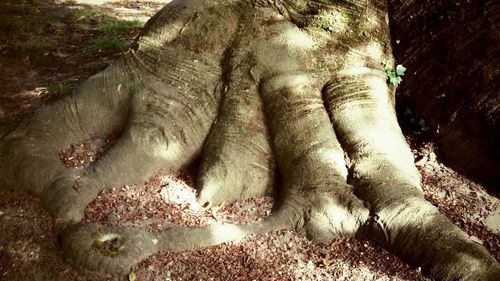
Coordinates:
286 85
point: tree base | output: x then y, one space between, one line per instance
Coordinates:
273 90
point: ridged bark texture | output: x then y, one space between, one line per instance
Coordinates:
253 87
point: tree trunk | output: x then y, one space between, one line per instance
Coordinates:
258 90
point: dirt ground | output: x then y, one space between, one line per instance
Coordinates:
47 47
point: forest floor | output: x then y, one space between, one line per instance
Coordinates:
48 46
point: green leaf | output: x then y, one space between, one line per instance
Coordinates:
394 75
423 126
400 70
131 276
388 66
395 80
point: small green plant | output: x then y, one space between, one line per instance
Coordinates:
394 75
56 87
407 112
109 43
423 127
420 126
116 26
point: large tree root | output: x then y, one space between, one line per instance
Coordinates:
254 90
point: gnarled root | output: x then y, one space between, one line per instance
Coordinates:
256 95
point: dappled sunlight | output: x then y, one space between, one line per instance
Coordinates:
289 98
25 251
493 220
472 262
109 243
288 81
392 221
372 20
209 190
336 159
381 149
295 40
164 38
386 139
220 233
170 151
178 193
341 20
356 63
281 47
374 50
100 2
341 219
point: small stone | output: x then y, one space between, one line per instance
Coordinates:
112 217
432 157
420 161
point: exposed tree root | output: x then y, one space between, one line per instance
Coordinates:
249 87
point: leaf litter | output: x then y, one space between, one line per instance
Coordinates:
29 247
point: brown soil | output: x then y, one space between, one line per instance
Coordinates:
29 247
